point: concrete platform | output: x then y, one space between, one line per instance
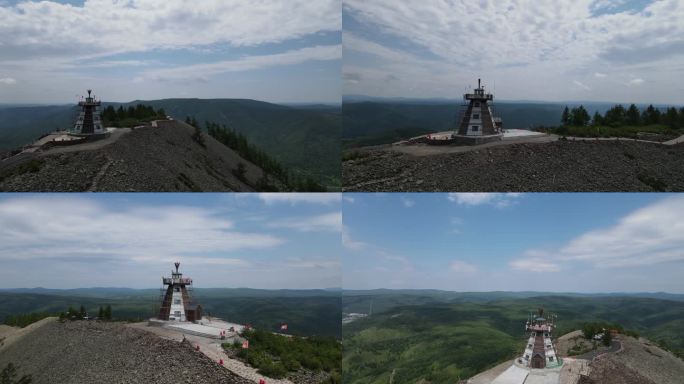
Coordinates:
513 375
207 327
516 133
543 377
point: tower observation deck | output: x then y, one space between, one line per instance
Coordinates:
540 352
89 121
477 119
176 303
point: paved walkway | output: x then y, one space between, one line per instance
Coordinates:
427 150
88 146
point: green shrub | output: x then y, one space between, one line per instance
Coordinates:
9 376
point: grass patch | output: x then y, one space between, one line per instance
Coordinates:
355 155
627 131
655 183
23 319
31 166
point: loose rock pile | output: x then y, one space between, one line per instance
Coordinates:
558 166
146 159
93 352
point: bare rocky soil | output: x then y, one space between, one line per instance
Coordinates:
560 166
165 158
92 352
639 362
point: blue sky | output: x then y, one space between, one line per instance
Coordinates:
517 242
548 50
130 240
274 50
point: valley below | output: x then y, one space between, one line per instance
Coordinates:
443 337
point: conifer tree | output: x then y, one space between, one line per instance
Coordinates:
632 116
652 115
565 119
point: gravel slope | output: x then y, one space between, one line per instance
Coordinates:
146 159
545 167
650 361
82 352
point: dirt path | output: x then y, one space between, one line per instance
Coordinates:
100 174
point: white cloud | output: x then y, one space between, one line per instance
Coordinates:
499 200
636 81
329 222
203 71
462 267
348 199
312 263
349 242
456 224
7 80
653 234
408 203
105 27
581 85
471 198
47 227
532 49
646 237
534 265
296 198
599 75
122 47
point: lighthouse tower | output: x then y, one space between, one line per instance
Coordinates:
540 352
89 121
477 120
176 303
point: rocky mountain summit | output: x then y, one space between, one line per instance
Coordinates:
94 352
159 157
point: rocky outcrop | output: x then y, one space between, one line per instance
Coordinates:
162 158
554 167
640 361
93 352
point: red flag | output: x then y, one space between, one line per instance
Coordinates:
245 344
